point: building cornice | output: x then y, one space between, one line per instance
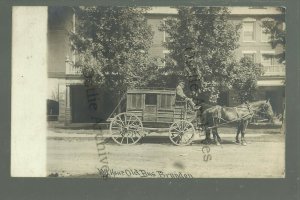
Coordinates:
233 11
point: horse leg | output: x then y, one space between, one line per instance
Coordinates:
245 124
216 136
238 132
207 139
207 134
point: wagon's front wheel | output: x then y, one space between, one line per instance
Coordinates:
181 132
126 129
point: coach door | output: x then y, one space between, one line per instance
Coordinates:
150 111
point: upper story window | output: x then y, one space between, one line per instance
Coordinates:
265 36
249 30
166 56
283 26
250 54
165 35
271 65
268 58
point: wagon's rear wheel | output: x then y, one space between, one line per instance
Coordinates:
126 129
181 132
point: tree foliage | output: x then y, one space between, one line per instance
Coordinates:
277 33
112 45
245 80
202 41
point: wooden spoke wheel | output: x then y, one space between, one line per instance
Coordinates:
181 132
126 129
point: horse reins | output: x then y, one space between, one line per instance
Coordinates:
251 113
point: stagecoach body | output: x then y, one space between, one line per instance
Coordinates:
152 109
155 106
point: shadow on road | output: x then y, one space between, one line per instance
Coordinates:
165 141
227 141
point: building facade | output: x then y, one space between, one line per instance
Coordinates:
66 87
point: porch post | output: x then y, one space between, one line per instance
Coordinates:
68 114
62 102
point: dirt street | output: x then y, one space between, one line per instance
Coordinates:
74 153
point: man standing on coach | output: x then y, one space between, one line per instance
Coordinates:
182 96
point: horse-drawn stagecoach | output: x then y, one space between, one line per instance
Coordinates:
152 109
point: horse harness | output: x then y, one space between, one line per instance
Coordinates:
247 116
250 115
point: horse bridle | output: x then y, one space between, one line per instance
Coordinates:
264 110
253 112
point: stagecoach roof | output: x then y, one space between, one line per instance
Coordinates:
152 91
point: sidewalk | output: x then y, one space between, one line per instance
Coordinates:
69 133
61 125
103 126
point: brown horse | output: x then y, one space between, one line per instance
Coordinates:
216 116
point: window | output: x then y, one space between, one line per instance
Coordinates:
250 54
151 99
134 101
165 35
267 59
249 30
268 62
265 37
283 26
166 101
166 56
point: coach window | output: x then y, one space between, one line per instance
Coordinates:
151 99
166 101
249 30
134 101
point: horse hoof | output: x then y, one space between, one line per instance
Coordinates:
237 142
217 142
244 143
205 141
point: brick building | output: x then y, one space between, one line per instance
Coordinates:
66 89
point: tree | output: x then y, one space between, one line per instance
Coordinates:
112 45
277 33
246 77
202 42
